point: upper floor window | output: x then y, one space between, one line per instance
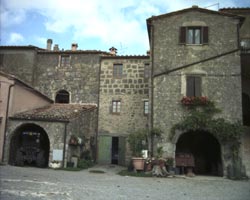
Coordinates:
62 96
64 60
193 35
146 108
193 86
116 106
117 70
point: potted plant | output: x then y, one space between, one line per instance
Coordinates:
138 142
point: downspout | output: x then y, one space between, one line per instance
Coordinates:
6 120
64 143
152 86
98 107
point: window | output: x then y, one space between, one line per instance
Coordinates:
193 86
193 35
62 96
146 108
146 70
64 60
116 107
117 71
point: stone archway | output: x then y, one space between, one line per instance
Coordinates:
29 145
205 149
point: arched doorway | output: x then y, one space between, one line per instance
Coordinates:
205 149
29 145
62 96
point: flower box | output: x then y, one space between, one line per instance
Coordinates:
195 101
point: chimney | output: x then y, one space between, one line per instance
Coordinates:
148 53
56 47
49 44
113 51
74 46
195 6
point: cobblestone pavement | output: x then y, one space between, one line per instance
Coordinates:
18 183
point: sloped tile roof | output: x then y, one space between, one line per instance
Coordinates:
55 112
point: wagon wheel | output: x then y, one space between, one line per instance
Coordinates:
19 159
40 159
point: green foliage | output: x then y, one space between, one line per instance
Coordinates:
85 164
138 141
155 132
202 118
159 151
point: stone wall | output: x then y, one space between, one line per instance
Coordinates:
85 128
80 78
223 71
169 54
19 62
131 89
54 130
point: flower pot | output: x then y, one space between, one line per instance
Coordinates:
138 163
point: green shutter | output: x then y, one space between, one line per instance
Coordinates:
104 149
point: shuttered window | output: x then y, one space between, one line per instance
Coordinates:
193 35
193 86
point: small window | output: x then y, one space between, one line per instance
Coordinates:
193 86
62 96
146 108
116 107
146 70
193 35
64 60
117 70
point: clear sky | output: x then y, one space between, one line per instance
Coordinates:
93 24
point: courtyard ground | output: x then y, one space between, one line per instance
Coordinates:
18 183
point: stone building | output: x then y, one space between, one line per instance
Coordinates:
123 104
15 97
193 52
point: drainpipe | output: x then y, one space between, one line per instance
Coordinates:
6 120
152 86
64 142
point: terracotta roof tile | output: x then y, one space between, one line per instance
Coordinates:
55 112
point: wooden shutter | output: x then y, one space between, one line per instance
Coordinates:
197 84
205 35
182 36
190 86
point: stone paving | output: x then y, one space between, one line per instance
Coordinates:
19 183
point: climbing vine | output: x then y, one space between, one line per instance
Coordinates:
201 117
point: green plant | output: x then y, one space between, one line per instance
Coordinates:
159 152
85 164
202 118
138 141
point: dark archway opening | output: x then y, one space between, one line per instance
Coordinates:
62 96
246 109
205 149
29 146
115 150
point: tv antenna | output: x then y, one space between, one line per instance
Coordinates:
216 4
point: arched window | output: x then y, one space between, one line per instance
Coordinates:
62 96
